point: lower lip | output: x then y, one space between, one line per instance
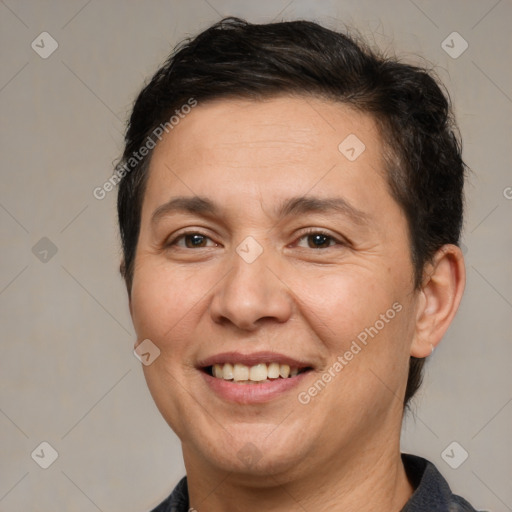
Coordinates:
252 393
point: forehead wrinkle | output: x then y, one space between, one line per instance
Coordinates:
293 206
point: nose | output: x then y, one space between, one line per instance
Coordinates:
251 294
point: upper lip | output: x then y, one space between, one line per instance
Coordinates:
253 359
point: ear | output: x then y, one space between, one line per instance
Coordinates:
122 268
122 271
443 284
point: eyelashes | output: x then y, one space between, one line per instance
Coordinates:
320 234
183 236
199 240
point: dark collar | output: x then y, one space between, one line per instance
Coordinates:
432 492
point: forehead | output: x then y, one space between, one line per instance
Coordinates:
295 124
271 147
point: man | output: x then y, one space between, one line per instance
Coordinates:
290 209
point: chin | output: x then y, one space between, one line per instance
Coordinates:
254 452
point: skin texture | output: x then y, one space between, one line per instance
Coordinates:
340 451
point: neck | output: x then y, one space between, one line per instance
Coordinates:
363 482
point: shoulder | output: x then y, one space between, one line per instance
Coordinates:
432 492
177 501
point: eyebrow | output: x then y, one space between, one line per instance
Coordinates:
293 206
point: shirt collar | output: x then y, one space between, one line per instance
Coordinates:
432 492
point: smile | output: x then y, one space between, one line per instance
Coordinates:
253 378
261 372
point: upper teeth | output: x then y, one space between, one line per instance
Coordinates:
257 373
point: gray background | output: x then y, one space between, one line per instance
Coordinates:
67 372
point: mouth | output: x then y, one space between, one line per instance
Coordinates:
255 374
253 378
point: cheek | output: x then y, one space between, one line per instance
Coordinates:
364 317
162 301
340 305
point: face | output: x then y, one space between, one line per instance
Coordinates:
268 247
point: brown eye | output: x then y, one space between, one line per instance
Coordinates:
191 240
194 240
319 240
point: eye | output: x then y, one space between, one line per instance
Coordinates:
191 239
315 239
319 240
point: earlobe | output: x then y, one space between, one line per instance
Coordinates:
122 269
439 299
